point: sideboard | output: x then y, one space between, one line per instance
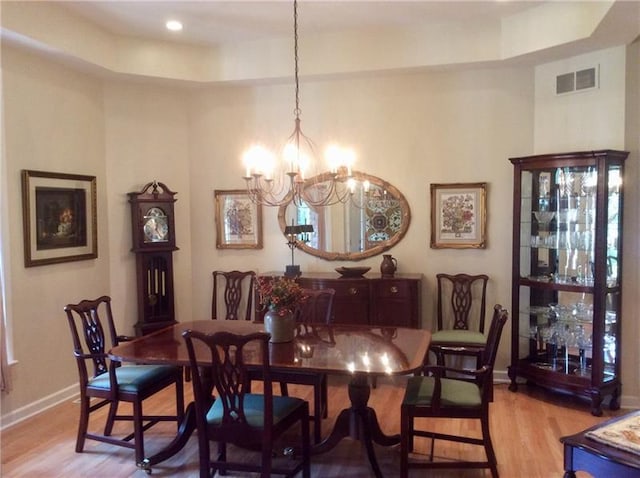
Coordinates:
369 299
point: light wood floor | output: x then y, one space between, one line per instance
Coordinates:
525 426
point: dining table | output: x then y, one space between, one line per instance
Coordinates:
361 352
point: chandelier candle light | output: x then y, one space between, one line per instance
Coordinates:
292 180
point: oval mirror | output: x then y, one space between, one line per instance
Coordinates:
374 220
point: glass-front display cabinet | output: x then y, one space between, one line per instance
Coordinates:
567 263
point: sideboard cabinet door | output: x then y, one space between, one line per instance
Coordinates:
395 302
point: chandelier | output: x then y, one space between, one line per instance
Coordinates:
273 181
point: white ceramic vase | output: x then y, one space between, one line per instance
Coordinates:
281 328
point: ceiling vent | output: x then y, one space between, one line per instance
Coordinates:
576 81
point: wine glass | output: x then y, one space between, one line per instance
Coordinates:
544 217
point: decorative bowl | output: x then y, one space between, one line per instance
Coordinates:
352 271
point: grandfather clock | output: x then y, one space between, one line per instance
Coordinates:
154 240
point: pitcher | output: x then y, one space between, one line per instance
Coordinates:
388 266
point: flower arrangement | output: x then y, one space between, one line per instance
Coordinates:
458 216
279 294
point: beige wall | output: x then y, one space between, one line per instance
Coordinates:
583 120
54 121
147 137
410 129
631 238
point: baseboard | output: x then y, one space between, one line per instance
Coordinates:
39 406
626 401
500 376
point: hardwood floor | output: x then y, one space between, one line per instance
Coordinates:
525 427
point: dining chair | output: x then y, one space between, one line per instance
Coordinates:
232 297
317 308
461 303
236 416
435 396
112 383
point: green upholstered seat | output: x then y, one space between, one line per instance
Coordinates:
254 409
419 392
462 337
134 378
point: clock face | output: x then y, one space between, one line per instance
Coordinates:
156 227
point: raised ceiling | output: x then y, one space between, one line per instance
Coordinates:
251 41
214 23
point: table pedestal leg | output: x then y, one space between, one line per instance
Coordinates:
360 423
185 430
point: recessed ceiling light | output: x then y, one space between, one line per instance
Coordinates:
174 25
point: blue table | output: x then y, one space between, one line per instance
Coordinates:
582 453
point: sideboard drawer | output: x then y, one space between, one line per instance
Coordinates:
355 290
393 289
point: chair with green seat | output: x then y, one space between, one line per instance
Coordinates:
317 308
236 416
460 316
466 396
112 383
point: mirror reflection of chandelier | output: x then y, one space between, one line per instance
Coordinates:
379 200
293 177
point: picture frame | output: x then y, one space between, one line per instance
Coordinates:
238 220
458 215
59 217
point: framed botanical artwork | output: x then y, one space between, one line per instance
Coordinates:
238 220
458 215
59 217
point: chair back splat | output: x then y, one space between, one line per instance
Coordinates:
236 416
93 333
317 308
458 297
232 297
468 395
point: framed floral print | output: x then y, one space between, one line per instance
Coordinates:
238 220
458 215
59 217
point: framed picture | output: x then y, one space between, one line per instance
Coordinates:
238 220
458 215
59 218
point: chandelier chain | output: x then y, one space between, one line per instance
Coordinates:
297 111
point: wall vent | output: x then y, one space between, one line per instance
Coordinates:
576 81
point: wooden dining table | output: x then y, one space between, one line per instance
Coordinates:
361 352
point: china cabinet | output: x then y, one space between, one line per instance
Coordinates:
567 263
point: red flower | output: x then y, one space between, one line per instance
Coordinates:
279 294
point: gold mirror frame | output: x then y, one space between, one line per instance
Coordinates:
355 256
